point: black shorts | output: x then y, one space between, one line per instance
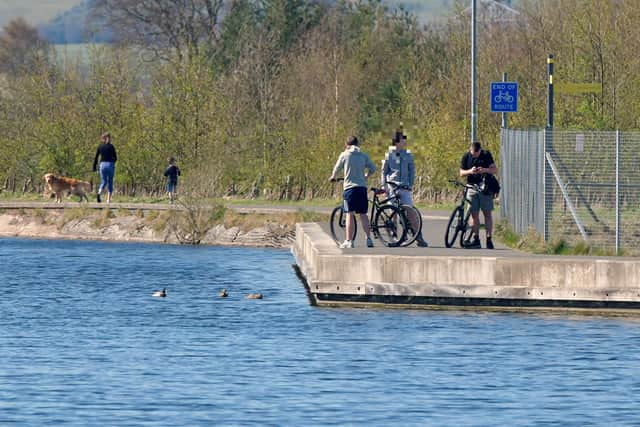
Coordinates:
355 200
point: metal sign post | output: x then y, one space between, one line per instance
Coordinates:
473 72
504 115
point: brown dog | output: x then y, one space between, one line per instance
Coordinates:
59 185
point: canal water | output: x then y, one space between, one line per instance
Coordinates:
83 342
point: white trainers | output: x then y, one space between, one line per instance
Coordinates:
346 244
369 242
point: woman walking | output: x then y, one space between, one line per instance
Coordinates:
108 157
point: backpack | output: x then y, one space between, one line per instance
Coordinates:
490 184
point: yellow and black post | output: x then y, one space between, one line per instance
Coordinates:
547 177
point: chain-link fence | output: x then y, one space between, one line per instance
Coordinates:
573 185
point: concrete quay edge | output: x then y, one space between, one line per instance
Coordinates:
440 279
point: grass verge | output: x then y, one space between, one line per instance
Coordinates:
533 242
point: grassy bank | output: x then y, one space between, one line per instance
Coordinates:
533 242
194 224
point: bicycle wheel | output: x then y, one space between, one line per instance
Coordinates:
453 228
415 226
466 229
390 226
338 225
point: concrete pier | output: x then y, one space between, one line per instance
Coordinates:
437 277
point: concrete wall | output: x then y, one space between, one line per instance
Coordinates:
334 274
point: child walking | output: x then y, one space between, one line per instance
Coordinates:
172 174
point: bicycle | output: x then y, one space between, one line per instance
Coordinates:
388 222
411 213
338 224
459 220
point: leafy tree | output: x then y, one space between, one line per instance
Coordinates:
21 48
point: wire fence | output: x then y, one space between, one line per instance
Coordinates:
573 185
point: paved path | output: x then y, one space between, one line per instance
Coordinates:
90 205
433 229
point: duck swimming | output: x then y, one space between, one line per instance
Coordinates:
223 293
254 296
162 293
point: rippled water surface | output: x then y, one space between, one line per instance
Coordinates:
82 342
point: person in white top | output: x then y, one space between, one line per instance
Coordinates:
398 167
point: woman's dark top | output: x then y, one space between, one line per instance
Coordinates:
172 173
106 152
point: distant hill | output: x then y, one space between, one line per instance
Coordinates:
35 12
425 10
430 10
70 26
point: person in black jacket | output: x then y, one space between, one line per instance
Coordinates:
474 165
108 157
172 174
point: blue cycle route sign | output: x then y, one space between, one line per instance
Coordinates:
504 97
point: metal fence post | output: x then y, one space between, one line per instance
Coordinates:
617 191
546 183
593 174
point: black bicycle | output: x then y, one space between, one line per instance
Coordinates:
459 220
411 213
389 223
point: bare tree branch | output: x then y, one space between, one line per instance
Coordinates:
169 28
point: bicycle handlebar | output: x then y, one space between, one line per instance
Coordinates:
462 184
395 185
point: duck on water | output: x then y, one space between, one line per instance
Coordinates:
162 293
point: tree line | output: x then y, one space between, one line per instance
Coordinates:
256 97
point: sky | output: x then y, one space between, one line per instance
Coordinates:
35 12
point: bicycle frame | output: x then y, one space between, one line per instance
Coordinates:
375 206
338 218
376 203
460 216
464 200
392 199
378 207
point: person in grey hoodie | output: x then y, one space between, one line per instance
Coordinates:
398 167
354 163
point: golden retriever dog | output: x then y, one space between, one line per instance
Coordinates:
60 185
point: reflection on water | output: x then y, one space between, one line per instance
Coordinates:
84 343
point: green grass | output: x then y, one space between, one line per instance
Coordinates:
20 197
533 242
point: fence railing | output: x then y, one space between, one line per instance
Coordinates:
574 185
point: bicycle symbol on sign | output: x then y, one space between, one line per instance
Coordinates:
505 97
